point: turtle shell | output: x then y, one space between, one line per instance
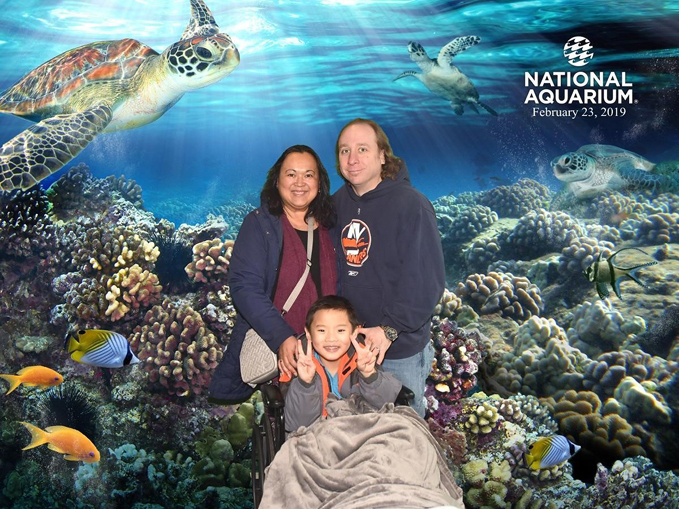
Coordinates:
48 87
601 151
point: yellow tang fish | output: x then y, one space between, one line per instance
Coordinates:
549 451
33 375
68 441
100 348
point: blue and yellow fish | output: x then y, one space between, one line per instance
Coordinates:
547 452
603 272
100 348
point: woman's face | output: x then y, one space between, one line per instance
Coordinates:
298 181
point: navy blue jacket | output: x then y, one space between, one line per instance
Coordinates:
392 270
253 271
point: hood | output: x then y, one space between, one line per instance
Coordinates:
402 179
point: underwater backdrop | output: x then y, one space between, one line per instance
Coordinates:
562 149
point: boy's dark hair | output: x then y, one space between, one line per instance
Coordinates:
334 302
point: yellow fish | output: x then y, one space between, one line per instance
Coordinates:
68 441
549 451
33 375
100 348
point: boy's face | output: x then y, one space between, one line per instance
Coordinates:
331 333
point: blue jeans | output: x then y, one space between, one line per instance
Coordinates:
413 372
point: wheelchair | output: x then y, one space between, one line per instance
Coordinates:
269 434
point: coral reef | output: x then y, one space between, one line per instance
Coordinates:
516 200
540 232
210 261
458 355
580 254
512 296
597 327
179 352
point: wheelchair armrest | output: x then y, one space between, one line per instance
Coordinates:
405 396
272 396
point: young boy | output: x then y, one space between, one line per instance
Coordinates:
336 364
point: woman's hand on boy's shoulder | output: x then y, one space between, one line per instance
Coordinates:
366 357
306 369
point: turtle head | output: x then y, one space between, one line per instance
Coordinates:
572 166
201 60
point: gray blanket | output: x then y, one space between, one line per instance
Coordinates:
361 458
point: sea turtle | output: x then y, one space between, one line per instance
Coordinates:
593 169
102 87
444 79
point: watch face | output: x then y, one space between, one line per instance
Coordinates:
390 332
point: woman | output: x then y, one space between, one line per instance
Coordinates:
268 259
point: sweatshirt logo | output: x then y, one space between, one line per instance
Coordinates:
356 241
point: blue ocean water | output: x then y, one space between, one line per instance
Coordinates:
309 67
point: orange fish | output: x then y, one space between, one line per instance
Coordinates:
33 375
68 441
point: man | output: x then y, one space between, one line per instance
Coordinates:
392 270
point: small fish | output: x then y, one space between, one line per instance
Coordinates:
547 452
500 181
68 441
100 348
603 272
33 375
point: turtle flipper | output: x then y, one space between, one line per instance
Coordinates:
47 146
405 74
639 179
420 57
487 108
455 47
457 107
201 23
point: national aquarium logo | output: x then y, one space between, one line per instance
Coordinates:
578 51
596 94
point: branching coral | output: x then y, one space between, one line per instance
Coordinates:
517 199
210 261
597 327
130 288
179 352
540 232
514 297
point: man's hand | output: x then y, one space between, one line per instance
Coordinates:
375 339
365 358
287 363
306 369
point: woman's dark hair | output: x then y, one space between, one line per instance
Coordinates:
321 208
336 303
392 164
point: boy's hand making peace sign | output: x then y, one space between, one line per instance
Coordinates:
306 370
365 358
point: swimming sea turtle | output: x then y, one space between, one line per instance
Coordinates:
103 87
592 169
443 78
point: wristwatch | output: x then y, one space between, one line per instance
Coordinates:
390 332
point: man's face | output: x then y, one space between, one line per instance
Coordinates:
331 335
360 159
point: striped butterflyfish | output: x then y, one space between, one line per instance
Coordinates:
100 348
549 451
603 272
